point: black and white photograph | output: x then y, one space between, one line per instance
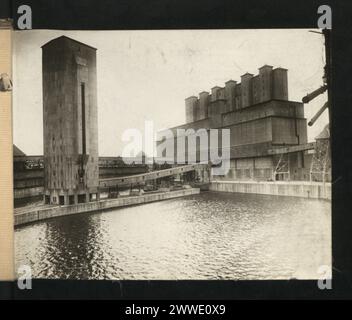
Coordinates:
172 154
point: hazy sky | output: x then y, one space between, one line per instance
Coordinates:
146 75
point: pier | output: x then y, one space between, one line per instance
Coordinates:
30 215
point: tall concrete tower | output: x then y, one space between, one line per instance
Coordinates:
70 122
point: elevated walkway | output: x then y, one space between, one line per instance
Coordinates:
153 175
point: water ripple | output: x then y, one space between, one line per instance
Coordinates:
206 236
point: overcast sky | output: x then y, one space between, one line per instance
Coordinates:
146 75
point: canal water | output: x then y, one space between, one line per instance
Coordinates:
206 236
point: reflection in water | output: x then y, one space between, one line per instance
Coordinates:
206 236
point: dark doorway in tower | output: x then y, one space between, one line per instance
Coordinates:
71 199
81 198
61 200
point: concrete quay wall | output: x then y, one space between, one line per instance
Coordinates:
314 190
33 215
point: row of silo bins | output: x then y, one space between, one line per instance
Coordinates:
197 109
269 84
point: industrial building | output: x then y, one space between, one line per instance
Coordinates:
262 120
70 122
268 133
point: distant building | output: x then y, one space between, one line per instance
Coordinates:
70 122
260 117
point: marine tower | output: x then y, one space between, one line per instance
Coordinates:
71 173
